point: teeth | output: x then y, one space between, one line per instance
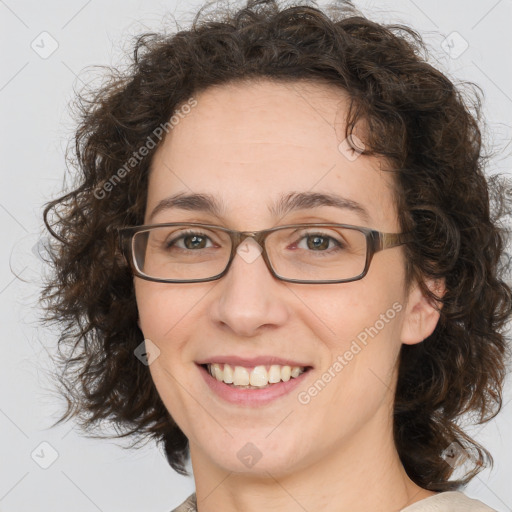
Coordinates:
227 375
255 377
240 375
258 377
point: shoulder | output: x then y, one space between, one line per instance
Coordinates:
189 505
450 501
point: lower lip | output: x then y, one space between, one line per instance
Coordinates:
252 397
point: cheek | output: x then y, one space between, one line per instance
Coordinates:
162 307
151 320
165 318
352 309
359 324
358 371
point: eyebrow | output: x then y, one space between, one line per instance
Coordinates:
285 204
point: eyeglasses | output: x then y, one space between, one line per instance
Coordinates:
319 253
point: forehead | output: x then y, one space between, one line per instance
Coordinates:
251 144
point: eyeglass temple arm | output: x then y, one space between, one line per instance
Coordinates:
388 240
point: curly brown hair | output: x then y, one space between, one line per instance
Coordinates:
417 119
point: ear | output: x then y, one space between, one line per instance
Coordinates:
421 315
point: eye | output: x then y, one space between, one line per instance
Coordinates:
191 241
319 242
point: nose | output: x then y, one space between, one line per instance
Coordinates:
250 299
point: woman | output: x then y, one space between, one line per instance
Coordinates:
281 261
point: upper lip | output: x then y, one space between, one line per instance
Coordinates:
251 361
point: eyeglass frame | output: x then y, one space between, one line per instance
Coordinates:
376 241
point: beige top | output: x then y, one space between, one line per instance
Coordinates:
451 501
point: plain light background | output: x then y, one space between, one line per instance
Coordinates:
45 48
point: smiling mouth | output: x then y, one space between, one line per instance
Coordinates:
257 377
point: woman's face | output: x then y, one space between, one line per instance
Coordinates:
248 146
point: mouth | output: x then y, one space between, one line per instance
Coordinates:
252 386
256 377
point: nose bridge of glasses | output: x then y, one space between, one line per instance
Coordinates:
237 237
248 255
